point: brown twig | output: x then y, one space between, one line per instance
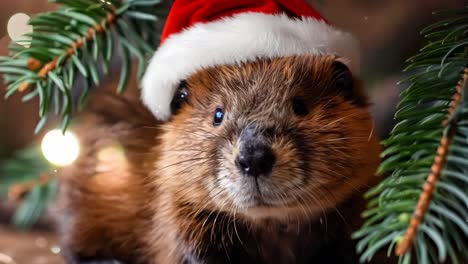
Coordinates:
429 186
34 64
19 190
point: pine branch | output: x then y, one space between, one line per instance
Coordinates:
79 39
422 207
23 177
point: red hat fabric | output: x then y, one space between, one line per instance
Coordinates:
186 13
205 33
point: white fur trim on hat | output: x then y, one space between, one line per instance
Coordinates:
236 39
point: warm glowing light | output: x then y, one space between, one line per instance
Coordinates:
60 149
18 26
111 157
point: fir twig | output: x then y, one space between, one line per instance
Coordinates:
18 190
79 38
422 207
34 64
23 177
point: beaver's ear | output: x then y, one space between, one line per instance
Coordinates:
347 84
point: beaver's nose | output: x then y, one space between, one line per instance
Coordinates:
255 159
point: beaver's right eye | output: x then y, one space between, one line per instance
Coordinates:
218 116
180 97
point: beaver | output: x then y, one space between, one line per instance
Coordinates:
263 161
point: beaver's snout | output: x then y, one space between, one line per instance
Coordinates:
256 158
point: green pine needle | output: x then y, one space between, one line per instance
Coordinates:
410 151
25 166
78 39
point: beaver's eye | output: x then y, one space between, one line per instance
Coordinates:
218 116
180 97
299 107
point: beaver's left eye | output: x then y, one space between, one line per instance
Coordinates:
218 116
299 107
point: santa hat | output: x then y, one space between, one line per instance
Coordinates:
204 33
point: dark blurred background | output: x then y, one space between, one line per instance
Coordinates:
388 32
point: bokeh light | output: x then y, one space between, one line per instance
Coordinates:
18 26
60 149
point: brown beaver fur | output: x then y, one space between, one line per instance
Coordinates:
177 194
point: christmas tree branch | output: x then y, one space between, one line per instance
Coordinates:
24 176
79 39
17 191
34 64
439 163
422 207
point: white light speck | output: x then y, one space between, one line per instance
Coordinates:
55 249
60 149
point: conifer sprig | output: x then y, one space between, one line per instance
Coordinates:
79 38
421 209
436 169
26 175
